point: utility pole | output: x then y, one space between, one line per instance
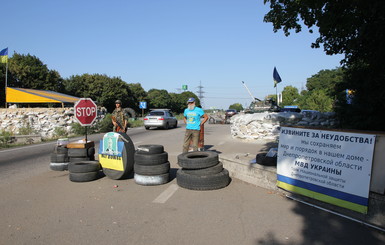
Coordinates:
200 93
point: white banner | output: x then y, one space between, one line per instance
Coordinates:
320 163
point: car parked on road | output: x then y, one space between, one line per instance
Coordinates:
230 112
160 118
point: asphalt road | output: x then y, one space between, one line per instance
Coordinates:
40 206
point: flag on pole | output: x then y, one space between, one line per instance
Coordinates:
4 56
276 77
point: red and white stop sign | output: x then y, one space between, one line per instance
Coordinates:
85 111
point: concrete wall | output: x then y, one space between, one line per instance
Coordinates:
42 121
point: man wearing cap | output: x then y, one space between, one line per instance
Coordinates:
192 119
119 118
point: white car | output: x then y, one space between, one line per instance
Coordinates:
160 118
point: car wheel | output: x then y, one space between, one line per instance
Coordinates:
198 159
203 182
150 149
147 128
153 169
151 179
151 159
166 126
176 124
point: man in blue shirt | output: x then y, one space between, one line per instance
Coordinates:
192 119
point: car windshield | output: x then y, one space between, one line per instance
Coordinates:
156 113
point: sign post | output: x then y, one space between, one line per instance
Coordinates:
143 105
85 112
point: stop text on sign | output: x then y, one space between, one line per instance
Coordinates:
85 111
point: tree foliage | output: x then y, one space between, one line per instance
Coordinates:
236 106
290 96
351 27
101 88
316 100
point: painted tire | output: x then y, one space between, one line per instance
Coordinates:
151 179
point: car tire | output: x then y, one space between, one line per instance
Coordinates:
79 159
147 128
84 167
203 182
81 152
176 124
149 180
198 159
205 171
152 169
60 149
262 159
59 157
58 166
151 159
84 177
166 126
150 149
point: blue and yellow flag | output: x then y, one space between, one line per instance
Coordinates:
4 56
276 77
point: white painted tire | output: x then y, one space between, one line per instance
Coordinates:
151 179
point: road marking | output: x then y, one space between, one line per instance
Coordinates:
166 194
24 147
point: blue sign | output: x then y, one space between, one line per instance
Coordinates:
143 105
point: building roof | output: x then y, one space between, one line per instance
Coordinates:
24 95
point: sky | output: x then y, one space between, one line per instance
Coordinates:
164 44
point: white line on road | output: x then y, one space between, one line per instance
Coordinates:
166 194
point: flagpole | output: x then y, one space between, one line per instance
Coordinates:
6 83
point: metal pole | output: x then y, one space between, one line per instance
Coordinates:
6 83
86 134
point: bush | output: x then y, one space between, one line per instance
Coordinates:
5 137
105 125
60 132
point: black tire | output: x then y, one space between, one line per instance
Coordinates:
60 149
204 182
150 149
153 159
128 160
79 159
149 180
91 151
78 152
130 112
198 159
147 128
167 126
84 177
262 159
152 169
176 124
59 157
55 166
205 171
84 166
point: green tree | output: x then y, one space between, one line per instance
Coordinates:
27 71
179 101
138 93
326 80
316 100
355 29
158 98
101 88
290 96
236 106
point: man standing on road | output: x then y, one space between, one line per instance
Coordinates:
192 119
119 118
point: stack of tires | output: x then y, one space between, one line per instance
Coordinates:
59 158
201 171
81 154
151 165
84 171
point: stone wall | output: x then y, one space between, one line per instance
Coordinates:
42 121
266 125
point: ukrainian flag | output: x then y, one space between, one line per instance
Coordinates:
4 56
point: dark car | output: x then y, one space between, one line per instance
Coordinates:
230 112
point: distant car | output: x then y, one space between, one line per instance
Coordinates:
230 112
160 118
